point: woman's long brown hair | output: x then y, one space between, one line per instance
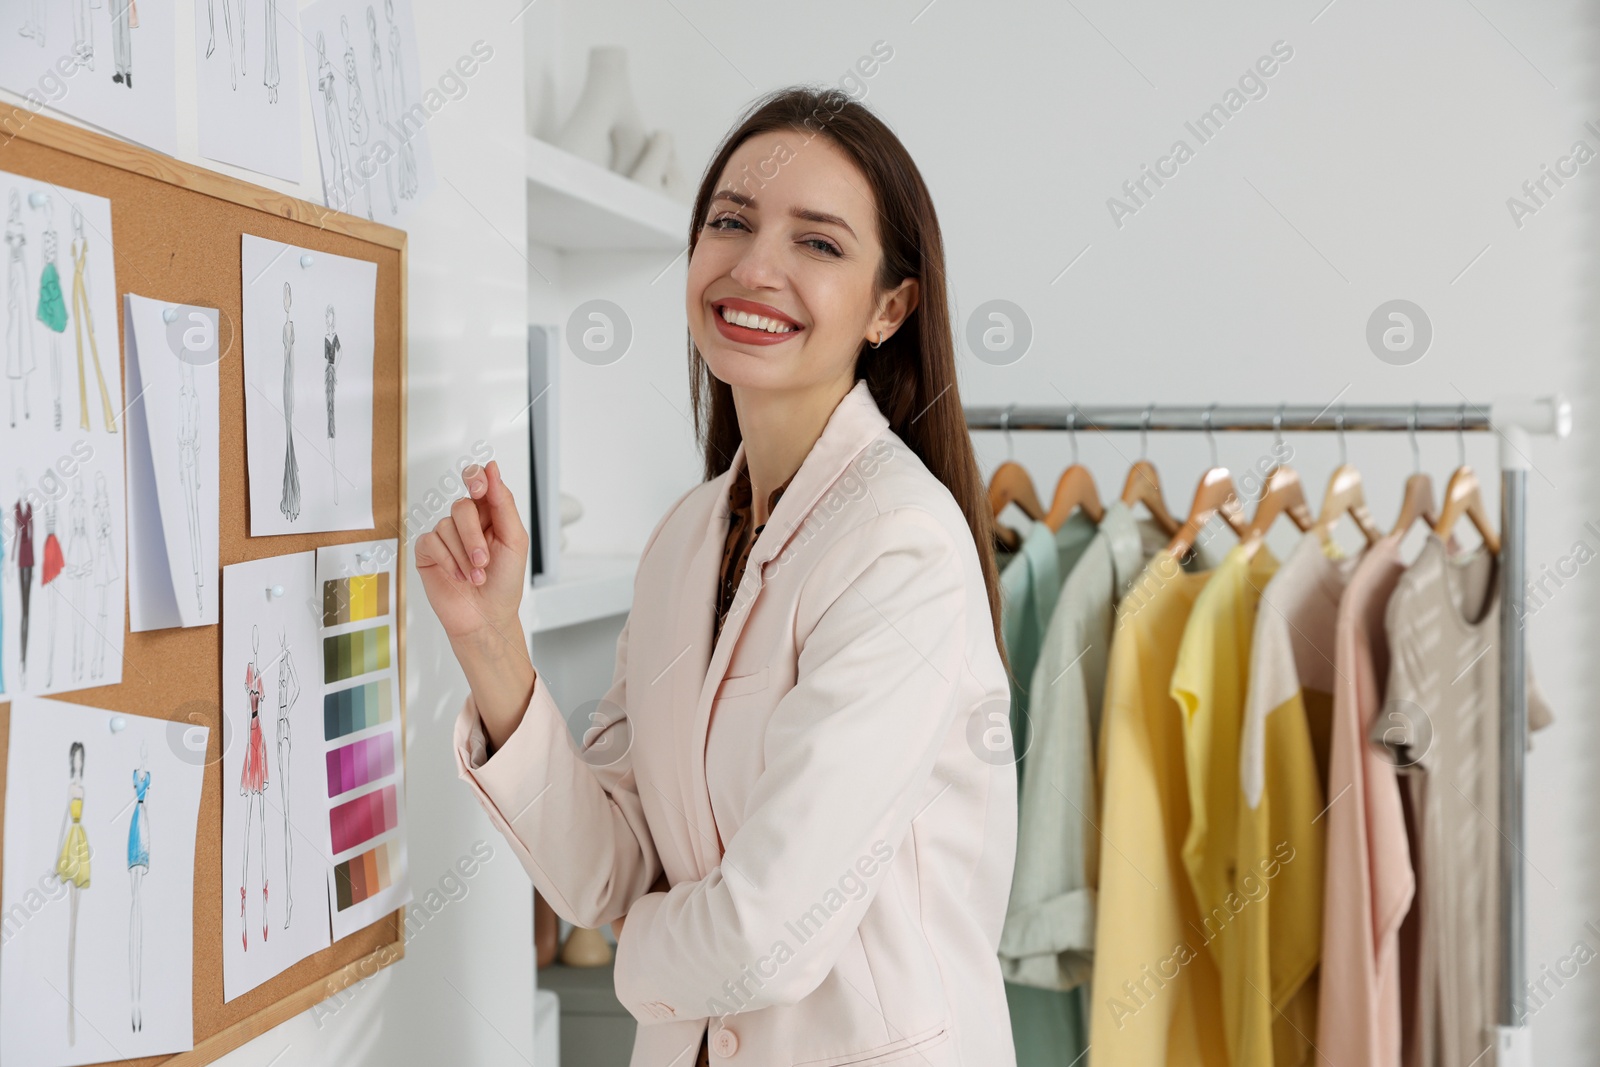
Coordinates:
912 375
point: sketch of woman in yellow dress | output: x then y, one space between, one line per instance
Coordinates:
72 869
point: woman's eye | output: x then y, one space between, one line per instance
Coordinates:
714 223
825 246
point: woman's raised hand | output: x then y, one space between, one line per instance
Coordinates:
474 562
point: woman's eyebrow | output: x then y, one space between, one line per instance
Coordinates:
807 214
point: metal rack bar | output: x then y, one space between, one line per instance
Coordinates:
1513 421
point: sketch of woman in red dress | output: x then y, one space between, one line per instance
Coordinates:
253 786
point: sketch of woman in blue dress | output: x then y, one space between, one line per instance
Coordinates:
138 867
290 504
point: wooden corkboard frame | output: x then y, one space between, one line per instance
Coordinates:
176 233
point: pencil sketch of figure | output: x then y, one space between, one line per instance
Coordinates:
34 25
270 76
333 125
80 562
380 104
331 356
231 18
138 867
189 469
22 515
19 331
288 695
54 566
72 871
83 33
124 20
356 108
290 504
52 305
105 570
253 787
83 322
408 158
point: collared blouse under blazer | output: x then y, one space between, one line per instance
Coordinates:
839 739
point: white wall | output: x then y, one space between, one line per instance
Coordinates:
1376 167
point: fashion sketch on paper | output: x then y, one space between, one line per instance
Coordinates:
230 20
52 304
271 76
72 871
82 33
380 104
33 26
290 504
105 571
253 787
408 157
22 518
331 357
124 20
83 323
288 696
138 867
80 561
339 173
19 328
53 567
189 469
357 108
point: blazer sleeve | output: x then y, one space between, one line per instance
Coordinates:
849 753
571 814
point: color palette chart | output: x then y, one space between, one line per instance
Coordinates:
363 748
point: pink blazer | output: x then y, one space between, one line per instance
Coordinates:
844 740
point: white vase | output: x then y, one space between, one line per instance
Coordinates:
605 127
651 169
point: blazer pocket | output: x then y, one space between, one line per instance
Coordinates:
740 684
904 1048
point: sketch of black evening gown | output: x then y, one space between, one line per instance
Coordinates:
408 157
189 468
380 105
290 504
138 867
340 174
270 77
105 570
22 515
356 108
19 328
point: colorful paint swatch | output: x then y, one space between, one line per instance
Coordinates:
361 877
363 818
355 653
360 762
355 599
358 708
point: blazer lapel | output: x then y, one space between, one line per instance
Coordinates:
854 424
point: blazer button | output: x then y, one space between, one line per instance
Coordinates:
725 1043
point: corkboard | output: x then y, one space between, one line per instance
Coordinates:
176 230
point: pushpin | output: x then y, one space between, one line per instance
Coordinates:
274 590
365 557
305 259
38 199
169 315
118 722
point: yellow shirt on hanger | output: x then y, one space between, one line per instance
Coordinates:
1256 871
1154 994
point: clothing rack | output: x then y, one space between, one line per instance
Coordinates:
1514 421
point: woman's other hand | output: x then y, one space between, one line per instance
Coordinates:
474 562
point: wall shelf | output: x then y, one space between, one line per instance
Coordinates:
577 206
592 586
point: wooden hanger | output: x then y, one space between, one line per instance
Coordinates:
1283 495
1215 495
1010 484
1463 496
1144 486
1418 500
1345 496
1076 489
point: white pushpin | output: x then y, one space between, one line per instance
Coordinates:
169 315
365 557
306 259
274 590
37 199
117 724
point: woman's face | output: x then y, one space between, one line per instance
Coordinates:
790 234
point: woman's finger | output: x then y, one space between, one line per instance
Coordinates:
465 513
503 509
431 552
446 529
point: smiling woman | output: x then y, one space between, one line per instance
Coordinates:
752 747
